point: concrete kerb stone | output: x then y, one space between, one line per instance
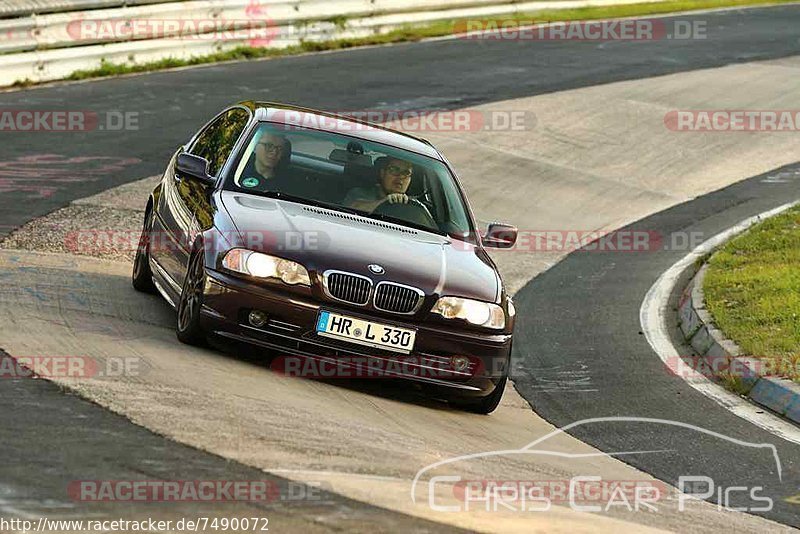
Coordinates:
777 394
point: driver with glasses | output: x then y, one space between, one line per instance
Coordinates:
394 178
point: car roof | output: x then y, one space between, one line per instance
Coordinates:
321 120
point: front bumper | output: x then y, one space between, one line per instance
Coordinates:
290 332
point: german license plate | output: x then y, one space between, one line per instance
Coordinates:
368 333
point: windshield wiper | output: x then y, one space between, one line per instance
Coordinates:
402 222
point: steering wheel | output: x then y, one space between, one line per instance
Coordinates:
414 211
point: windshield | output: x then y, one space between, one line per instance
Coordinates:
353 175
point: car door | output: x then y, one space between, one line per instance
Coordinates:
185 209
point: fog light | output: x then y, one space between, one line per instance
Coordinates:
459 363
257 318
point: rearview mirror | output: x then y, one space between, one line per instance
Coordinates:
500 235
194 167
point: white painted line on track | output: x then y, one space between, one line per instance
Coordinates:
655 313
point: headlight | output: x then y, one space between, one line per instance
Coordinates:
472 311
264 266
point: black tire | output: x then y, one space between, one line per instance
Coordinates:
488 404
188 327
142 276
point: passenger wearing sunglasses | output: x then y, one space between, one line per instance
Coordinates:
394 178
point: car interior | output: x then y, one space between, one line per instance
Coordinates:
330 179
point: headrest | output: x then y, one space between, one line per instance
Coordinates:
350 158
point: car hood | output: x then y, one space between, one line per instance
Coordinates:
323 239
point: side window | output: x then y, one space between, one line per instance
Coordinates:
216 141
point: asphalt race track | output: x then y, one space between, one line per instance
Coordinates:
579 319
91 443
587 326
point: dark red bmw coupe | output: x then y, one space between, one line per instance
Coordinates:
326 238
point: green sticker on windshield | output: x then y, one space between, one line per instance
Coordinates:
250 182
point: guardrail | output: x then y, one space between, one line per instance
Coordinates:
19 8
52 46
63 30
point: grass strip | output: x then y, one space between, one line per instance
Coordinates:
752 290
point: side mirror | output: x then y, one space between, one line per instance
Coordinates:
194 167
500 235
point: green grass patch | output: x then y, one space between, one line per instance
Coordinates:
752 290
413 33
